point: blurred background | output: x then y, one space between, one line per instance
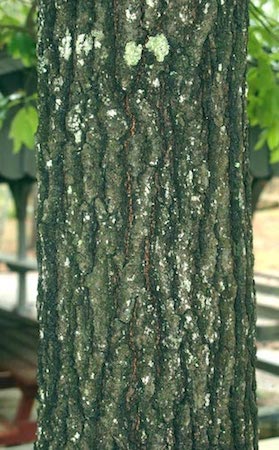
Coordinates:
18 267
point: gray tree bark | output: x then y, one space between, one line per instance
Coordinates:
146 301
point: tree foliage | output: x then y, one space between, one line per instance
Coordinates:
263 74
18 39
18 30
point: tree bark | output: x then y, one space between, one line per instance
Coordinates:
146 300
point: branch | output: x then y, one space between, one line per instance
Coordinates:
261 18
29 26
29 23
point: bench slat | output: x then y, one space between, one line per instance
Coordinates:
21 338
24 373
268 360
18 347
18 265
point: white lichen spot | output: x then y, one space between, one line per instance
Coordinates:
112 113
182 98
42 395
67 262
97 44
223 129
58 103
132 53
150 3
84 44
237 165
156 82
58 83
70 190
182 17
74 124
99 36
76 437
49 163
195 198
65 46
153 163
143 435
206 8
130 16
145 380
130 279
188 319
220 67
159 46
190 176
187 284
78 135
192 140
207 400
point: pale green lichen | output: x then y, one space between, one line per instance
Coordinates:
83 44
65 48
99 36
132 53
159 46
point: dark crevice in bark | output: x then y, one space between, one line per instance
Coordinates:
238 409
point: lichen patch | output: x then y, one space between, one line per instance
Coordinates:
132 53
159 46
65 47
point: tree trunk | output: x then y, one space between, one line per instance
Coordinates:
146 301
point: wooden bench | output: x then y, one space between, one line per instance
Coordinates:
18 368
268 360
18 264
267 329
21 265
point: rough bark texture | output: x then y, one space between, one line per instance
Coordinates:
146 301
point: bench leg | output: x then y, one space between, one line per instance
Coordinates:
26 403
22 429
22 433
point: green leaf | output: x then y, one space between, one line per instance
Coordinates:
273 138
24 127
262 140
274 157
22 46
263 81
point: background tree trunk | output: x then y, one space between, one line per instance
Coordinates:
146 300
